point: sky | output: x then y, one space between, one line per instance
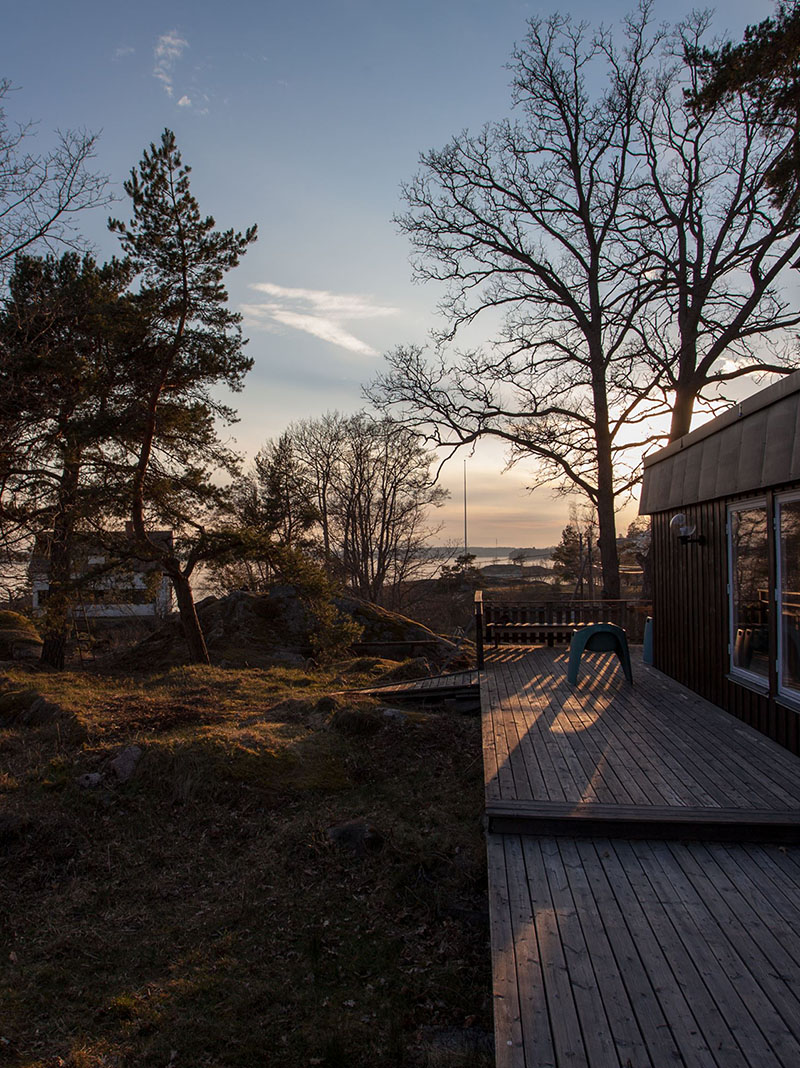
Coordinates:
303 118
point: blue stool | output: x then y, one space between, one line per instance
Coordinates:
598 638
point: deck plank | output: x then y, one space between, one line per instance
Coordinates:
742 1000
621 782
664 1014
491 773
652 746
551 776
582 761
770 961
703 1035
565 1022
608 969
518 743
590 1003
751 757
510 1051
629 950
665 734
536 1030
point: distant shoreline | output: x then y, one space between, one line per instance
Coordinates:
489 550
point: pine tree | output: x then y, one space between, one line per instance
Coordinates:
194 343
66 329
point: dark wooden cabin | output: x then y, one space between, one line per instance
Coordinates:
724 503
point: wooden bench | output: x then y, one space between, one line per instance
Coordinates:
548 622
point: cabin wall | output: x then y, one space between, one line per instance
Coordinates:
690 620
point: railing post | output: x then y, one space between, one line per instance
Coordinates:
479 628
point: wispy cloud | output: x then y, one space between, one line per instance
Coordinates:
169 49
122 51
316 311
185 102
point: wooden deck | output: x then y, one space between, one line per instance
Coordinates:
614 950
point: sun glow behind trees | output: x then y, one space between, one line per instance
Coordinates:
631 244
348 315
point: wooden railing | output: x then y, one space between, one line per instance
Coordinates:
491 617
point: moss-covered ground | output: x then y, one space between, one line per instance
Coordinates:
199 914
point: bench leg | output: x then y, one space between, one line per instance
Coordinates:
574 666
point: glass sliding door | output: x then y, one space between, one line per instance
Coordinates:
749 589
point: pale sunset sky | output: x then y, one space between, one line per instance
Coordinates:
304 118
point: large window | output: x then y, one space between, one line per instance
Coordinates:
749 589
754 594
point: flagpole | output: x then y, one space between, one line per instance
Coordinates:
466 544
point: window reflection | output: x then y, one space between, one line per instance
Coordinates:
789 563
749 589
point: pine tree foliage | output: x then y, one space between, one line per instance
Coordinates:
765 67
67 329
194 343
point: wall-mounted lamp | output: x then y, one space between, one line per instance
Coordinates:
681 530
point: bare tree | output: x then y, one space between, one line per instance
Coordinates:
320 443
372 489
628 246
714 235
42 192
525 219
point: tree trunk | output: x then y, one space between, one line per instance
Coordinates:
645 562
192 631
54 647
607 543
682 410
606 519
58 604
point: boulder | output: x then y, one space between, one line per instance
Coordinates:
124 764
19 639
261 629
394 636
357 837
89 780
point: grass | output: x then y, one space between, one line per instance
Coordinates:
198 914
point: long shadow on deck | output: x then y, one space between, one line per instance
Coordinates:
605 741
613 953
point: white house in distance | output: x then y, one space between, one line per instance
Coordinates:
114 588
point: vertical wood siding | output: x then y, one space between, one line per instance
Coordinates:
690 621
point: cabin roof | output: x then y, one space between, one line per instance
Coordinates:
752 446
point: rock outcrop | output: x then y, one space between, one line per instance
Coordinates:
260 629
19 639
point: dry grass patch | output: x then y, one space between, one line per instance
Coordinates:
199 914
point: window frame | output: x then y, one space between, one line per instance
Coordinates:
752 679
784 693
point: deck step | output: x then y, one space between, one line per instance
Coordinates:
593 820
455 684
